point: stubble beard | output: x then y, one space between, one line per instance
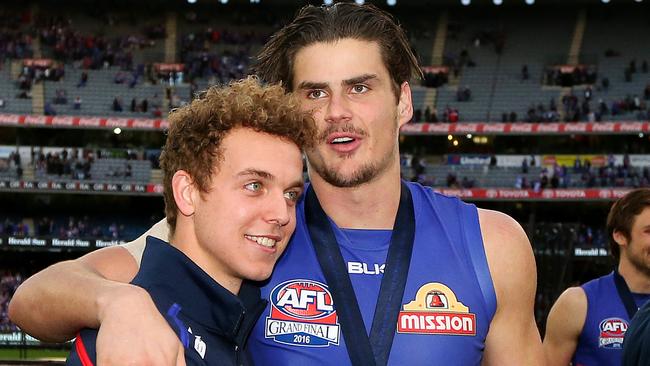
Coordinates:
639 264
364 174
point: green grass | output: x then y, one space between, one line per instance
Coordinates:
32 353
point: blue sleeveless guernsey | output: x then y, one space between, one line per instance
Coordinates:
601 340
445 312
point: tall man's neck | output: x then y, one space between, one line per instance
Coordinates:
372 205
638 281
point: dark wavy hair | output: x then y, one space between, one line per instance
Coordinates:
622 215
330 23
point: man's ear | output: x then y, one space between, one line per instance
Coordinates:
405 104
619 238
183 187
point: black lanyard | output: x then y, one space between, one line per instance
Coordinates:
364 350
625 294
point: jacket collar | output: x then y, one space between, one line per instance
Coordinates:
171 277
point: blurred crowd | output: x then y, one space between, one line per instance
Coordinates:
9 282
60 228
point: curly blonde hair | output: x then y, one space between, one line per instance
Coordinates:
196 130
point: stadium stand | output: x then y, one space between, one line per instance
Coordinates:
74 73
520 171
613 40
73 227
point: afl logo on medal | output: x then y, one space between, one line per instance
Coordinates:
302 314
436 310
612 332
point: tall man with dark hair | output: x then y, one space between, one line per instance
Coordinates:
587 324
379 271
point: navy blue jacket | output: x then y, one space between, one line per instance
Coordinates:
636 347
211 322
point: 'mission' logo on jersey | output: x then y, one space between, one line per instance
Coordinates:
436 310
302 314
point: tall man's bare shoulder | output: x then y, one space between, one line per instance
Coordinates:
512 267
136 247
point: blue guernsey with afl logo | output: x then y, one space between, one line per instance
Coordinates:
442 317
211 323
607 320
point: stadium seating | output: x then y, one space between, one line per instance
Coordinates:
619 31
97 97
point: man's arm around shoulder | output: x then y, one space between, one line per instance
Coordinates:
54 304
513 338
564 325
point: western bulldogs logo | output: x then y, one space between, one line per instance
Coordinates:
302 314
612 332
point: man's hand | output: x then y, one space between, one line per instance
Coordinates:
133 332
92 292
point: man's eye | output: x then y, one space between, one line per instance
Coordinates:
316 94
359 89
254 186
292 195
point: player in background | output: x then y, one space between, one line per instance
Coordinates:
587 324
